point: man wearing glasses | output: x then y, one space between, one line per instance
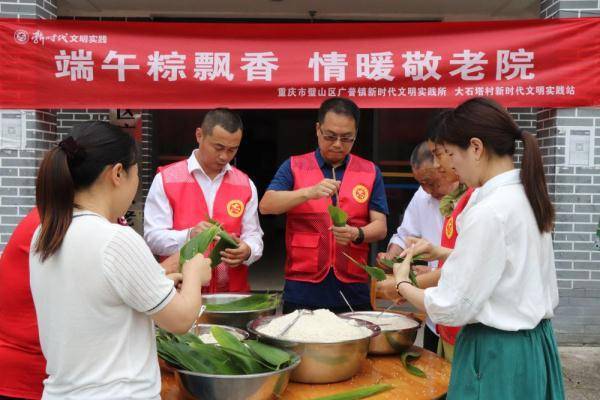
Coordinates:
316 270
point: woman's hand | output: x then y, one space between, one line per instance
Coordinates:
402 270
424 249
199 266
177 278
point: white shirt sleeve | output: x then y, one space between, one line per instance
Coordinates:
472 271
410 223
251 232
162 239
134 274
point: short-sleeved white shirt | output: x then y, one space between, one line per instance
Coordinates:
501 272
93 299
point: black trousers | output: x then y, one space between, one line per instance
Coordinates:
289 307
430 340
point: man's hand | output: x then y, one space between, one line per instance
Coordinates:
424 249
393 251
171 263
235 257
344 234
325 188
386 289
202 226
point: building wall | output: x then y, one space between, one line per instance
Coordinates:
18 168
575 192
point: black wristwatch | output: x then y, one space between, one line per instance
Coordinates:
361 236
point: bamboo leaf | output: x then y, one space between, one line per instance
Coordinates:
409 356
217 359
225 242
198 244
360 393
229 342
338 216
374 272
270 354
413 278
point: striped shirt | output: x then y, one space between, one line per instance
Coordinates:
93 300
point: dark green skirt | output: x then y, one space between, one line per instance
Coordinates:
491 364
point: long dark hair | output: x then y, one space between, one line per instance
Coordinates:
74 164
492 124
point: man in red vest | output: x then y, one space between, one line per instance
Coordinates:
186 193
316 271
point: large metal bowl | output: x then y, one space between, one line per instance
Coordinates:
265 386
321 362
389 341
238 319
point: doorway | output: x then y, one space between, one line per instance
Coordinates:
386 136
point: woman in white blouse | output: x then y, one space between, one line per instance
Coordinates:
500 279
96 286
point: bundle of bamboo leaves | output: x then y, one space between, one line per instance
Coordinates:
201 242
230 357
260 301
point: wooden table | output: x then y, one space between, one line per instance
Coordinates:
380 369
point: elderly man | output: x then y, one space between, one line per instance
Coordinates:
422 217
316 270
185 194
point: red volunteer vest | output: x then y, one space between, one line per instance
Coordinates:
449 235
22 363
189 208
311 249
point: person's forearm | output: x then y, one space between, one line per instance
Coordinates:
164 242
429 279
374 231
413 295
279 202
191 293
442 253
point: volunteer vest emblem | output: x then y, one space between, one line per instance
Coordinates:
235 208
360 193
450 228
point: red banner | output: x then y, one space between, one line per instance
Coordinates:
87 64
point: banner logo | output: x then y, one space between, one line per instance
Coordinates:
21 36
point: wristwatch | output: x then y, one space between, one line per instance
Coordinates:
361 236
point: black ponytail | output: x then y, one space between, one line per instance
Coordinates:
75 164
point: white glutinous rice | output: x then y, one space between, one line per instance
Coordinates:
322 326
388 321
